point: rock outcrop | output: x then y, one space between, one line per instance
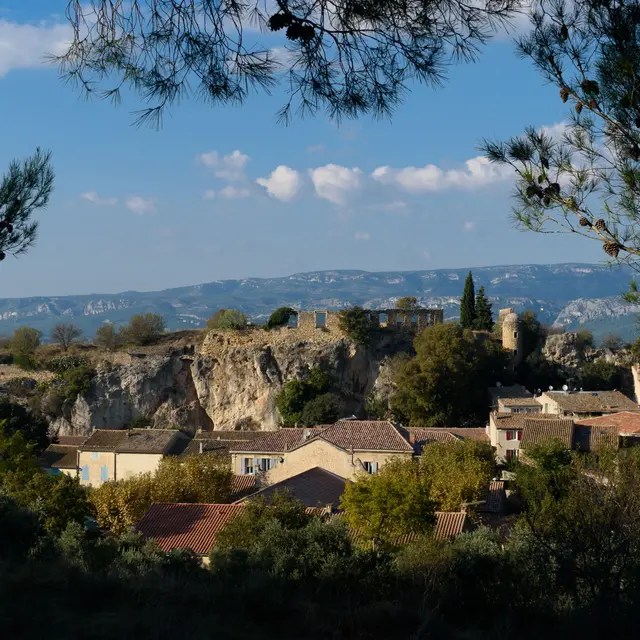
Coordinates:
230 382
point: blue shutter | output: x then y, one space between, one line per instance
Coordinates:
104 474
85 473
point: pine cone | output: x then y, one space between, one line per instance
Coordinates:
564 32
612 249
2 255
592 103
564 94
579 107
279 21
546 201
584 222
294 31
600 225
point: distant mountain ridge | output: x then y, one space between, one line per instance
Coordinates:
562 294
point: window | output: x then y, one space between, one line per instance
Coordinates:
414 319
515 334
85 473
370 467
382 317
509 435
247 466
95 455
264 464
321 319
292 322
510 454
104 474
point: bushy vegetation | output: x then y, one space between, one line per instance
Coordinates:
279 317
356 325
143 329
64 389
601 375
24 342
65 334
408 303
312 392
227 320
446 382
108 337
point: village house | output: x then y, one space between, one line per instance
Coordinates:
625 426
585 404
110 454
62 456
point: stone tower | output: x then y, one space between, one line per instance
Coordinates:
511 334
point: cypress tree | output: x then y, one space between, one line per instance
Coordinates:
468 304
484 319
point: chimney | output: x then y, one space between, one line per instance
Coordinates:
412 438
201 447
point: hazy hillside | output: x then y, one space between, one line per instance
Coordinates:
565 294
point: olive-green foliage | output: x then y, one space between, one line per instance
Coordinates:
356 325
585 339
24 342
143 329
66 334
446 382
62 364
20 529
227 320
196 478
323 409
601 375
65 389
408 303
296 394
533 332
391 503
468 304
483 319
107 337
613 342
279 317
18 419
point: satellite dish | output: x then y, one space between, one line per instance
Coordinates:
550 388
498 384
565 388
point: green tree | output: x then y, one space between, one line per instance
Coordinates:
280 317
408 303
391 503
24 342
20 529
243 532
484 317
296 394
143 329
323 409
446 382
601 375
25 188
66 334
458 472
107 337
613 342
468 304
355 323
18 419
586 181
585 339
227 320
205 48
532 332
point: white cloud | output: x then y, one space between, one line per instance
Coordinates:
25 46
209 194
335 183
479 173
469 226
283 183
555 131
229 167
93 197
362 235
230 192
140 205
315 148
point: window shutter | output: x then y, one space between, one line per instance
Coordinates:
509 436
519 435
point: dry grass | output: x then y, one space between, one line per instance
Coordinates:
10 371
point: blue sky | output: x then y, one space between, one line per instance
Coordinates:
199 200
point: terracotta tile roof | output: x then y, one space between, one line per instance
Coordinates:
274 441
592 401
625 421
516 420
423 436
229 436
71 440
514 391
496 497
588 438
469 433
157 441
61 456
536 431
365 435
315 487
241 486
198 446
519 402
190 526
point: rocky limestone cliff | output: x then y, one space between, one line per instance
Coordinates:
231 381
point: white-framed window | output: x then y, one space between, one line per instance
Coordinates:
264 464
247 466
95 455
370 467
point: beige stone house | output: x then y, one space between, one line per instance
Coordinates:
344 448
120 454
513 399
585 404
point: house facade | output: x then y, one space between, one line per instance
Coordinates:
118 455
585 404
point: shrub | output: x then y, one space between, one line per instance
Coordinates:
24 342
613 342
408 303
61 364
107 337
280 317
143 329
355 323
227 320
323 409
585 339
66 334
296 394
601 375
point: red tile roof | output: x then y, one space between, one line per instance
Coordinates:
72 441
242 485
625 421
132 440
190 526
592 401
365 435
588 438
315 487
274 441
517 420
536 431
496 497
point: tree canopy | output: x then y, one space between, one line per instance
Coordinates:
484 318
343 58
143 329
227 320
468 304
66 334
